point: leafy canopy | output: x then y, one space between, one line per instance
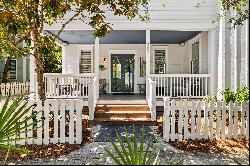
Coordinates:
23 18
237 11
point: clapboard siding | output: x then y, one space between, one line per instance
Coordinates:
175 13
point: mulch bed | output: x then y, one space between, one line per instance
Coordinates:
227 146
51 150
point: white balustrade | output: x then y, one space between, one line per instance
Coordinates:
181 85
59 85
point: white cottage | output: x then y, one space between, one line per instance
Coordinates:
179 53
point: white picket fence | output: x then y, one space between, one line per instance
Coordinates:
199 119
14 88
62 122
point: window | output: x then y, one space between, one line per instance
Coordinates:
195 58
160 62
86 61
12 70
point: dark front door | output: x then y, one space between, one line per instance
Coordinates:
122 73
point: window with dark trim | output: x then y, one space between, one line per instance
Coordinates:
12 70
86 61
160 61
195 58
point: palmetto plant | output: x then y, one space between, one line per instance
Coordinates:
10 125
130 153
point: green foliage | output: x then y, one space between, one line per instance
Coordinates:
239 7
130 153
241 95
24 21
10 124
52 59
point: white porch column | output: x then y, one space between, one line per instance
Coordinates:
63 59
32 73
221 58
234 50
96 60
243 59
212 60
247 53
147 61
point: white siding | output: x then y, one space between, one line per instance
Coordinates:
177 15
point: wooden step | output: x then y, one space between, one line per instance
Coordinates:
131 108
122 102
123 114
124 122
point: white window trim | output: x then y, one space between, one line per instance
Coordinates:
87 48
16 69
135 70
166 56
191 42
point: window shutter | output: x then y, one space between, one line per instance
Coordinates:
86 61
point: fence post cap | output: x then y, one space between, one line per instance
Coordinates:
166 99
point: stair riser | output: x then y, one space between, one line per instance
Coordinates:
123 123
113 108
123 115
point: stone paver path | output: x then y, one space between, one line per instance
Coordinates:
93 152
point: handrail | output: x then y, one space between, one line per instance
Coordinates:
180 75
152 98
92 97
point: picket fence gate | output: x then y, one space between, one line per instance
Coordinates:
195 120
14 88
62 122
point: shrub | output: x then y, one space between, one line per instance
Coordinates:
10 124
133 155
241 95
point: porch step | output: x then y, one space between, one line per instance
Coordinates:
126 114
123 108
123 115
122 102
123 122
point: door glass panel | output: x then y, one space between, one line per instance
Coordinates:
129 74
116 73
122 73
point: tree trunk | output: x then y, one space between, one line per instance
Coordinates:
6 69
40 72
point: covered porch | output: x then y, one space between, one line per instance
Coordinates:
128 61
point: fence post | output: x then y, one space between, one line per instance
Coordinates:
166 124
91 100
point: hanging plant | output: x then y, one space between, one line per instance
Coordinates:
102 67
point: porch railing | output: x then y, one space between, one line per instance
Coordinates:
181 85
59 85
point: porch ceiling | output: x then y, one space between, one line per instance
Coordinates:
127 37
